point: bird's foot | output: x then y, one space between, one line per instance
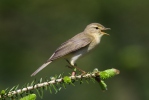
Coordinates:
80 70
75 67
83 73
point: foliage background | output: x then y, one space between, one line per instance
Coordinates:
31 30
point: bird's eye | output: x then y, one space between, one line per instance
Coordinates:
97 27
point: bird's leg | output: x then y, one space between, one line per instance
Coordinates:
69 66
75 66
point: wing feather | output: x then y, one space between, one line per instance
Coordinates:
77 42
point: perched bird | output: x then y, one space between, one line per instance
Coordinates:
77 46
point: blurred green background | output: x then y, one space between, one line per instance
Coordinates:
30 31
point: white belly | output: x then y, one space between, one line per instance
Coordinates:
77 55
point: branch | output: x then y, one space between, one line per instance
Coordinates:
61 81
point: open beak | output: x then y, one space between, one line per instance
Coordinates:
105 30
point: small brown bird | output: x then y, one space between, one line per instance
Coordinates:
78 45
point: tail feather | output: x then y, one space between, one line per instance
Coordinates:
40 68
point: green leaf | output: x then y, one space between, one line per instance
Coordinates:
29 97
40 92
40 80
50 88
16 87
54 88
64 86
32 83
103 85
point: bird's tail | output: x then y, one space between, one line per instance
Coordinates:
40 68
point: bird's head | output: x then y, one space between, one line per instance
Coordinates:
96 28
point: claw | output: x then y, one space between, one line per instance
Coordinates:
75 66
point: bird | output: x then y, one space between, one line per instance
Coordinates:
77 46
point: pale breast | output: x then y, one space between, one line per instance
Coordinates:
95 41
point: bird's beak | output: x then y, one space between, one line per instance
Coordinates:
105 30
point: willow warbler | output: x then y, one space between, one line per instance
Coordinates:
77 46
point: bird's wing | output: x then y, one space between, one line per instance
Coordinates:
77 42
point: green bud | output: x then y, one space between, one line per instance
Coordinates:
67 79
108 73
